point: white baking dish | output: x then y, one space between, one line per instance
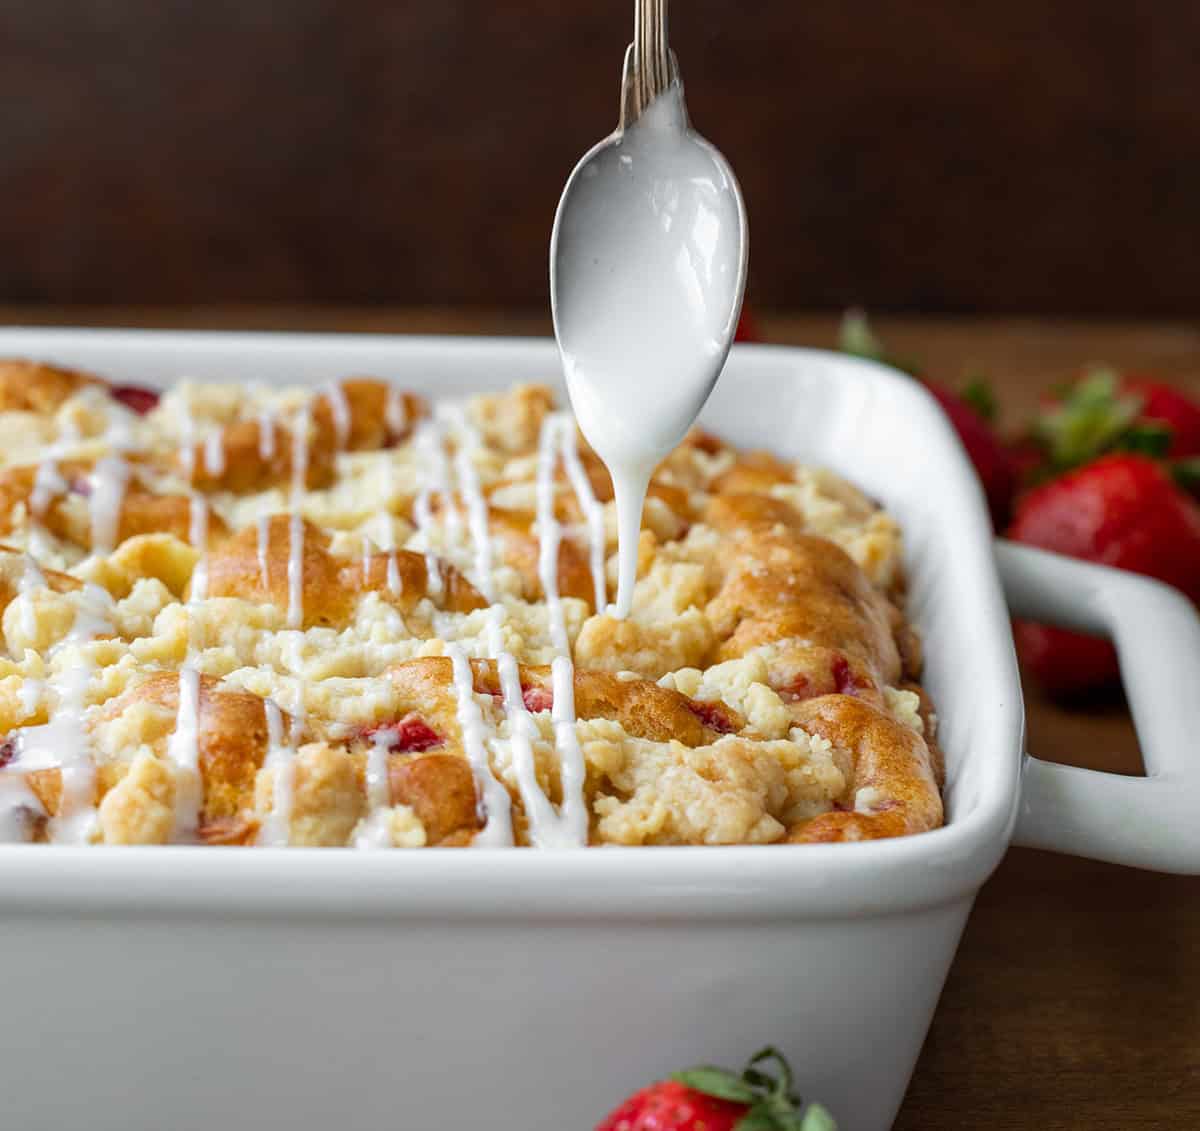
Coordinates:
311 989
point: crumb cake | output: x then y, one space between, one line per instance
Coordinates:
345 616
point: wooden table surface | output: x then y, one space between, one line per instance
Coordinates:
1074 1001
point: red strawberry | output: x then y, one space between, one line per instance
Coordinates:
1166 405
712 1099
138 398
1123 510
537 699
409 735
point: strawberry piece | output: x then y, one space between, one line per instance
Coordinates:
844 680
712 1099
715 716
537 699
8 751
1123 510
137 398
409 735
799 688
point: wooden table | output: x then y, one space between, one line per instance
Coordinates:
1074 1001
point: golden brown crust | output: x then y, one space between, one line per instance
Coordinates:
892 774
642 707
519 547
142 510
331 585
232 741
369 423
34 386
802 593
440 790
250 465
231 744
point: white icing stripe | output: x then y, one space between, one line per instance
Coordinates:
266 435
183 750
375 831
48 484
549 533
468 485
32 579
110 479
497 805
574 815
63 742
187 439
275 830
31 693
198 536
396 412
295 567
423 517
295 572
214 452
593 512
339 405
264 539
543 821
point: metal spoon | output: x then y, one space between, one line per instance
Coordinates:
647 270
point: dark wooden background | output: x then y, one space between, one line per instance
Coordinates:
933 156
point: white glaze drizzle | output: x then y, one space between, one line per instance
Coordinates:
549 533
275 830
32 579
375 831
339 406
593 512
396 412
31 693
183 751
266 435
198 536
63 742
110 479
48 484
543 821
496 804
573 819
467 439
295 566
214 452
187 439
264 539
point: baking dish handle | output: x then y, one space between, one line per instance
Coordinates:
1149 822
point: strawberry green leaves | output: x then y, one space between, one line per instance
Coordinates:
765 1088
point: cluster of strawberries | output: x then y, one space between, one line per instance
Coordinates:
1107 472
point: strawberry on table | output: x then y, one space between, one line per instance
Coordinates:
1123 510
714 1099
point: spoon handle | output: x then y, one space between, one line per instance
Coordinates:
649 64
